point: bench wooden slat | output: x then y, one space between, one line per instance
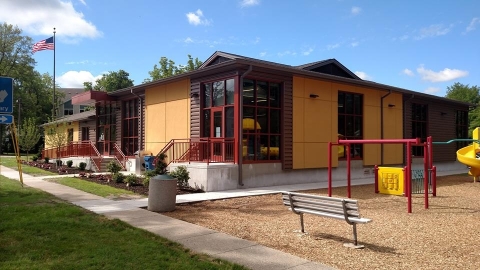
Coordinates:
352 219
350 205
333 210
333 199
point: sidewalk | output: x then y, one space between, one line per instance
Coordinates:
194 237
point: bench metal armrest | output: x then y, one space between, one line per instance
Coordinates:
345 212
291 204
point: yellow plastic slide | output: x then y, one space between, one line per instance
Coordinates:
466 155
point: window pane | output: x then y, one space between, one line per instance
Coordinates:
218 93
274 121
358 104
262 120
207 102
248 92
274 151
217 124
249 146
229 127
341 125
206 123
262 149
262 94
341 103
358 127
230 91
249 123
349 126
274 95
348 103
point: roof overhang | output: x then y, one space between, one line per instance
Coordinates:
91 97
73 118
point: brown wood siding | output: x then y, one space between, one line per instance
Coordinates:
195 110
118 125
287 144
141 122
441 125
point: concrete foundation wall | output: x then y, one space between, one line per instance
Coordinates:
219 177
76 162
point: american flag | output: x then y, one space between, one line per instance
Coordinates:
46 44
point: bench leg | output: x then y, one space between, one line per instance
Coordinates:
355 242
301 222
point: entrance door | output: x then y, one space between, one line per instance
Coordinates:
217 134
106 145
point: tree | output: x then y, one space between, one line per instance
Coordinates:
113 80
56 135
29 135
470 94
167 68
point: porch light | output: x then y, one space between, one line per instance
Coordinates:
313 95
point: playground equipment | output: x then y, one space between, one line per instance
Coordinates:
467 155
428 166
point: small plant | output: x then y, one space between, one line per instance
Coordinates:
118 177
182 175
35 157
59 162
69 163
146 177
131 179
161 165
82 166
46 159
113 167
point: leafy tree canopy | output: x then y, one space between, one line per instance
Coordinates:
113 80
167 68
469 94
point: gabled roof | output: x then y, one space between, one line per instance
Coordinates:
329 66
73 118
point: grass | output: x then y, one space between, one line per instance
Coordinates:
39 231
11 162
92 188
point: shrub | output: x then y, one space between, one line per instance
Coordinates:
131 179
59 162
113 167
161 165
82 166
118 177
35 157
146 177
47 159
69 163
182 175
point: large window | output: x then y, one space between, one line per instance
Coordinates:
350 121
419 126
106 132
261 120
218 103
130 127
461 120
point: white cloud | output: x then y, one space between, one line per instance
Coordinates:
249 3
308 51
363 75
75 79
433 31
188 40
356 10
473 24
286 53
263 54
83 2
432 90
40 17
197 18
441 76
333 46
354 44
408 72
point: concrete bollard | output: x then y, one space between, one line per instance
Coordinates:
162 193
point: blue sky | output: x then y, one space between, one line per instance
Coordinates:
423 46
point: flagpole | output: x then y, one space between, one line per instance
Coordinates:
54 109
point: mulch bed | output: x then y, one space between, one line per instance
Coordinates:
103 179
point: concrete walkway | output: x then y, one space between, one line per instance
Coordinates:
194 237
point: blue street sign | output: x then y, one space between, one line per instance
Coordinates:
6 119
6 95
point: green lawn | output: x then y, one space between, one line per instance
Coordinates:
11 162
39 231
92 188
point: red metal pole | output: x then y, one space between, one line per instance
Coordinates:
409 177
425 172
434 181
349 193
405 191
430 151
376 178
329 169
414 141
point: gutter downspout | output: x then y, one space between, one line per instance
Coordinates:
240 129
140 142
381 124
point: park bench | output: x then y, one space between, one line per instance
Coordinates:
339 208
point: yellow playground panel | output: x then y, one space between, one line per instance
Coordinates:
390 180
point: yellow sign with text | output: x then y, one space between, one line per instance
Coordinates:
391 180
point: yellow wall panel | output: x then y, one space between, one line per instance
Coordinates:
371 154
177 115
298 86
298 155
76 131
316 155
177 90
155 95
318 120
317 87
298 119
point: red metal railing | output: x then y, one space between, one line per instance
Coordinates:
75 149
205 150
120 156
